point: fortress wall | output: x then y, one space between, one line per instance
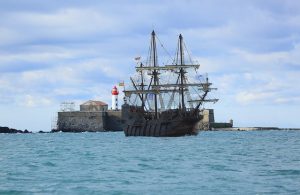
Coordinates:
208 121
220 125
81 121
113 121
208 118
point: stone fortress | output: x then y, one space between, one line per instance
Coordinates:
95 116
92 116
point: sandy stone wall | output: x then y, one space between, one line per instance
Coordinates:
81 121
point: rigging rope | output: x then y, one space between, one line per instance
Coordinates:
164 48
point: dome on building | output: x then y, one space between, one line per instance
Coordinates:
92 106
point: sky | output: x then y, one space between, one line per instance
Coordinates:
54 51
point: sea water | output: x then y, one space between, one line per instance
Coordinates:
219 162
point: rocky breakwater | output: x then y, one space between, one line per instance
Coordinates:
9 130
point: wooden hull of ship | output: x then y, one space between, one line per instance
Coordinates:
156 128
176 126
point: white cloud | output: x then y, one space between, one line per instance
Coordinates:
287 100
247 97
9 36
270 58
62 23
226 83
269 88
70 81
36 56
33 101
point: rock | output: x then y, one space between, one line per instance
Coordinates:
8 130
43 131
54 131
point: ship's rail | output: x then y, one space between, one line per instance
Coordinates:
148 115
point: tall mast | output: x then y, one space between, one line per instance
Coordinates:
142 84
154 71
181 70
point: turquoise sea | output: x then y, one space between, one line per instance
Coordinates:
219 162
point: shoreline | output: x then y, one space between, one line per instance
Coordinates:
8 130
252 129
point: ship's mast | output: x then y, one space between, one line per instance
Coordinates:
181 72
180 86
155 73
142 85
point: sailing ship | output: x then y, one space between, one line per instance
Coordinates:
144 112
